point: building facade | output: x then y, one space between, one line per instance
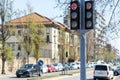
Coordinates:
99 34
57 39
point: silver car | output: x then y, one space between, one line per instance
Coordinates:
44 69
58 66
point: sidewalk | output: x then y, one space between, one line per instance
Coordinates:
60 77
7 74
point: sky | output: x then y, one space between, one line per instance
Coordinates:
43 7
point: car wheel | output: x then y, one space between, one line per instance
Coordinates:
115 73
94 78
30 74
50 71
110 79
18 76
39 73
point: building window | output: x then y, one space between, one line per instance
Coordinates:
13 47
19 32
19 47
47 38
47 30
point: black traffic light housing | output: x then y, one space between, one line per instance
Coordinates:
89 7
74 15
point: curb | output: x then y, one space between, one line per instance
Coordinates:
59 76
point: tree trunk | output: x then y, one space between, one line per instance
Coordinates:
3 63
3 66
3 46
28 57
3 55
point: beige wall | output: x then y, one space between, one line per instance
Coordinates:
12 66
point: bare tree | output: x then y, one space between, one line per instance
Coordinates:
109 9
6 12
90 45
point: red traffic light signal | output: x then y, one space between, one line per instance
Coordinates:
89 14
74 15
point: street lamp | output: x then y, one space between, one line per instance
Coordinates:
17 57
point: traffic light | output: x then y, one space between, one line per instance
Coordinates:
89 14
74 15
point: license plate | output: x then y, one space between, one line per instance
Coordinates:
100 73
20 73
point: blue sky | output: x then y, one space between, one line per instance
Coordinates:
43 7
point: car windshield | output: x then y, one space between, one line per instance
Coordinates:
73 64
48 65
55 64
28 66
118 67
100 67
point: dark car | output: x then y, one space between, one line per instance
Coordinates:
117 71
28 70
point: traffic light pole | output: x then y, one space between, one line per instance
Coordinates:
82 41
83 55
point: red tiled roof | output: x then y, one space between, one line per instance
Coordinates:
25 19
37 18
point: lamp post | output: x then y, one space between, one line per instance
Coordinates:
18 54
17 57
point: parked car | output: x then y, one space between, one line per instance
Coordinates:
103 71
78 64
66 67
91 64
51 68
44 69
73 65
116 63
117 71
28 70
58 66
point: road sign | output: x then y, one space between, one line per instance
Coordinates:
40 62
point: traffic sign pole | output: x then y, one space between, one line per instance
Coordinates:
82 41
40 62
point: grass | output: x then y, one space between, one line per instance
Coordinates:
57 75
46 77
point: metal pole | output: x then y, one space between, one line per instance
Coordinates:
82 41
83 56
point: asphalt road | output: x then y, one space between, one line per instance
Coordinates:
64 77
77 77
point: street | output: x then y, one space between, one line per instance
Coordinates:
11 77
64 77
77 77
